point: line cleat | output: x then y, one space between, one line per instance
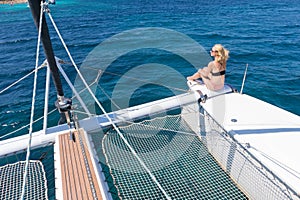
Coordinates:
203 98
64 106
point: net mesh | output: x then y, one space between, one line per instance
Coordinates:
11 179
251 175
177 158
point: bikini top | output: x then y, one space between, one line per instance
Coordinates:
218 73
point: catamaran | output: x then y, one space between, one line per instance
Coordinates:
201 144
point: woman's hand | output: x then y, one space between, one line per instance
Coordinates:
190 78
194 77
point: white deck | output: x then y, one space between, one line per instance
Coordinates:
273 134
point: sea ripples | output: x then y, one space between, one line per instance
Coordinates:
265 35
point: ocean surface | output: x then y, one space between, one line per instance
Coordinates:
263 34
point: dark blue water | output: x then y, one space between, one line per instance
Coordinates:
266 35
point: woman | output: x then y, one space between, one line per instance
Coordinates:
213 75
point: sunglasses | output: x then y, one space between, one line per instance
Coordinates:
213 51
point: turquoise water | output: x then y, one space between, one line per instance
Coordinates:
266 35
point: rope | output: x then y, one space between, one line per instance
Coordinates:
8 134
110 99
105 93
105 113
33 102
142 124
115 74
278 163
141 80
73 89
21 78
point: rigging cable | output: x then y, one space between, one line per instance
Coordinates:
8 134
141 80
3 90
33 102
278 163
106 114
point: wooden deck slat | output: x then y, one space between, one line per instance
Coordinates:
82 176
79 168
93 174
75 179
73 169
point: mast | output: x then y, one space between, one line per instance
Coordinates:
35 6
63 104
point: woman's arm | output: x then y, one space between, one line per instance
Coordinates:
194 76
202 73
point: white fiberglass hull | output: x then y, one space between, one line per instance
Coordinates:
269 133
40 139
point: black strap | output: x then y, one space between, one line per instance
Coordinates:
218 73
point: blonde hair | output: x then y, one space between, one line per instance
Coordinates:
223 54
